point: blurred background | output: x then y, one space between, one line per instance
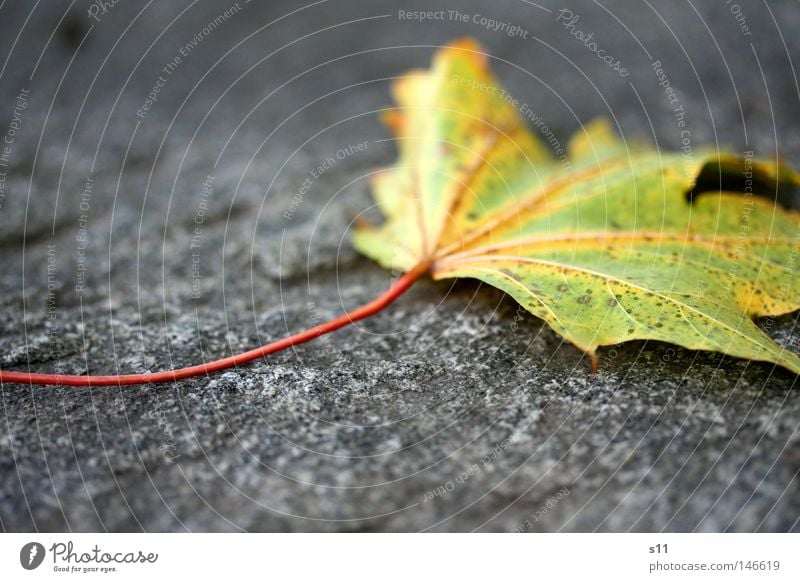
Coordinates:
165 198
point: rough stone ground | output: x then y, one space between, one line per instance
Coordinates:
382 426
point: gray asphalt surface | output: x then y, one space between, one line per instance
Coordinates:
145 229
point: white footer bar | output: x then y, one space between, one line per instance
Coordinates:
354 557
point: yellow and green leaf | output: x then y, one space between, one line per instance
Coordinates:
607 247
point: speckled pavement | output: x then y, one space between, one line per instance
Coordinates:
142 229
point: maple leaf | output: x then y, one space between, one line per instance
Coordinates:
610 243
605 242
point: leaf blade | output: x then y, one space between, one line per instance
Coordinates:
623 242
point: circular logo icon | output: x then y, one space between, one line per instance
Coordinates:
31 555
